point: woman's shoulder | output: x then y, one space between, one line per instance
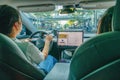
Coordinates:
21 43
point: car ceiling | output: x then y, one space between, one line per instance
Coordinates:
58 2
38 5
34 2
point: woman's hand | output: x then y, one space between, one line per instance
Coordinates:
49 38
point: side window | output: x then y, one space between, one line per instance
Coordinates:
23 31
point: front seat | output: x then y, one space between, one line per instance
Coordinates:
99 56
14 64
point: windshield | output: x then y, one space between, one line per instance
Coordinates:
82 19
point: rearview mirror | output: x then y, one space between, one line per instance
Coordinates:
67 9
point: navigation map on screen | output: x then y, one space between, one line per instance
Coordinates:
70 38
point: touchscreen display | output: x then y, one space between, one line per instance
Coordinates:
70 38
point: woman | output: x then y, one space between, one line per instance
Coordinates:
11 25
105 23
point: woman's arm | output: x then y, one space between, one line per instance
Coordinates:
46 46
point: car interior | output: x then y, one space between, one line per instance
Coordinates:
81 54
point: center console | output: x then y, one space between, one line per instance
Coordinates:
67 42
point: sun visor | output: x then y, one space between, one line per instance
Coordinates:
37 8
96 4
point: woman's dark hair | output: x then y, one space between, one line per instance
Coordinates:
8 16
105 23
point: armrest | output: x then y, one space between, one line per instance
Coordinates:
59 72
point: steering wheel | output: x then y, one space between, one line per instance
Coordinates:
40 42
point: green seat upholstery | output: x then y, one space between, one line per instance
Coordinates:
110 71
95 53
14 64
103 50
